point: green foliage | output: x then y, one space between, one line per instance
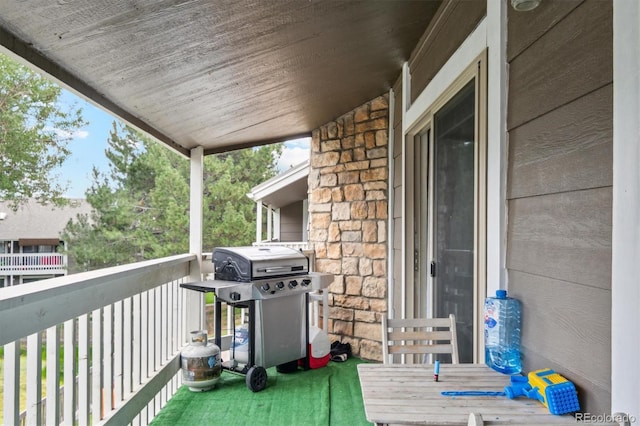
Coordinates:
34 132
141 207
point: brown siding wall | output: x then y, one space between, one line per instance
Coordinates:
453 22
291 222
559 189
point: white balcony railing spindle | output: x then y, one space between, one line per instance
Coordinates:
118 353
12 383
127 352
34 377
136 360
108 354
52 416
84 380
96 364
70 371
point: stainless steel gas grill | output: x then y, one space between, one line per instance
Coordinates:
273 283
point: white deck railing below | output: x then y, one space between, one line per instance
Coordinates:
33 264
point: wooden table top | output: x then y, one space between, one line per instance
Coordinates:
408 394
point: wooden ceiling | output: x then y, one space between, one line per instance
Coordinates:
222 74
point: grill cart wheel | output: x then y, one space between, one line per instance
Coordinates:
256 378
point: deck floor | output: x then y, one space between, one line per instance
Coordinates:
326 396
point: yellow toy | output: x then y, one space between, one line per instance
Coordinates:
558 394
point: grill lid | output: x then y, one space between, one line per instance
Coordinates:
249 263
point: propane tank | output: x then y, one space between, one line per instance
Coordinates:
201 364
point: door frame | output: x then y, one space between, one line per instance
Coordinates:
414 291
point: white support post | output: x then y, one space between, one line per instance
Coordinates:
195 301
269 223
406 101
390 206
625 292
276 225
496 145
258 221
305 220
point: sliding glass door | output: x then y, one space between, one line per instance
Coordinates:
448 219
451 268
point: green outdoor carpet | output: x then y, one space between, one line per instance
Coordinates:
325 396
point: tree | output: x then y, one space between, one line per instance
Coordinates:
34 132
141 207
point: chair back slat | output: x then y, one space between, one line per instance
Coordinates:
419 336
420 349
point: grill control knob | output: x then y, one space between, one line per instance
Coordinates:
280 285
235 296
265 287
293 284
306 282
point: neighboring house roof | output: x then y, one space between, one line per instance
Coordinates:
283 189
34 221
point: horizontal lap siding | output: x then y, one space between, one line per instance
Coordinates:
452 24
559 189
567 149
564 236
572 59
579 324
291 222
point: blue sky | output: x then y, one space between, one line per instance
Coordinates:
88 144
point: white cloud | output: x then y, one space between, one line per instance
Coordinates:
302 143
294 153
78 134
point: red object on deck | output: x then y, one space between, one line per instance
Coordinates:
319 348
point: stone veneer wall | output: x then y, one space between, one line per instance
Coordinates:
348 222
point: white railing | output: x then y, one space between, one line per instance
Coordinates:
298 245
115 334
26 264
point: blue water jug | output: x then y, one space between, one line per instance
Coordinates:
502 333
